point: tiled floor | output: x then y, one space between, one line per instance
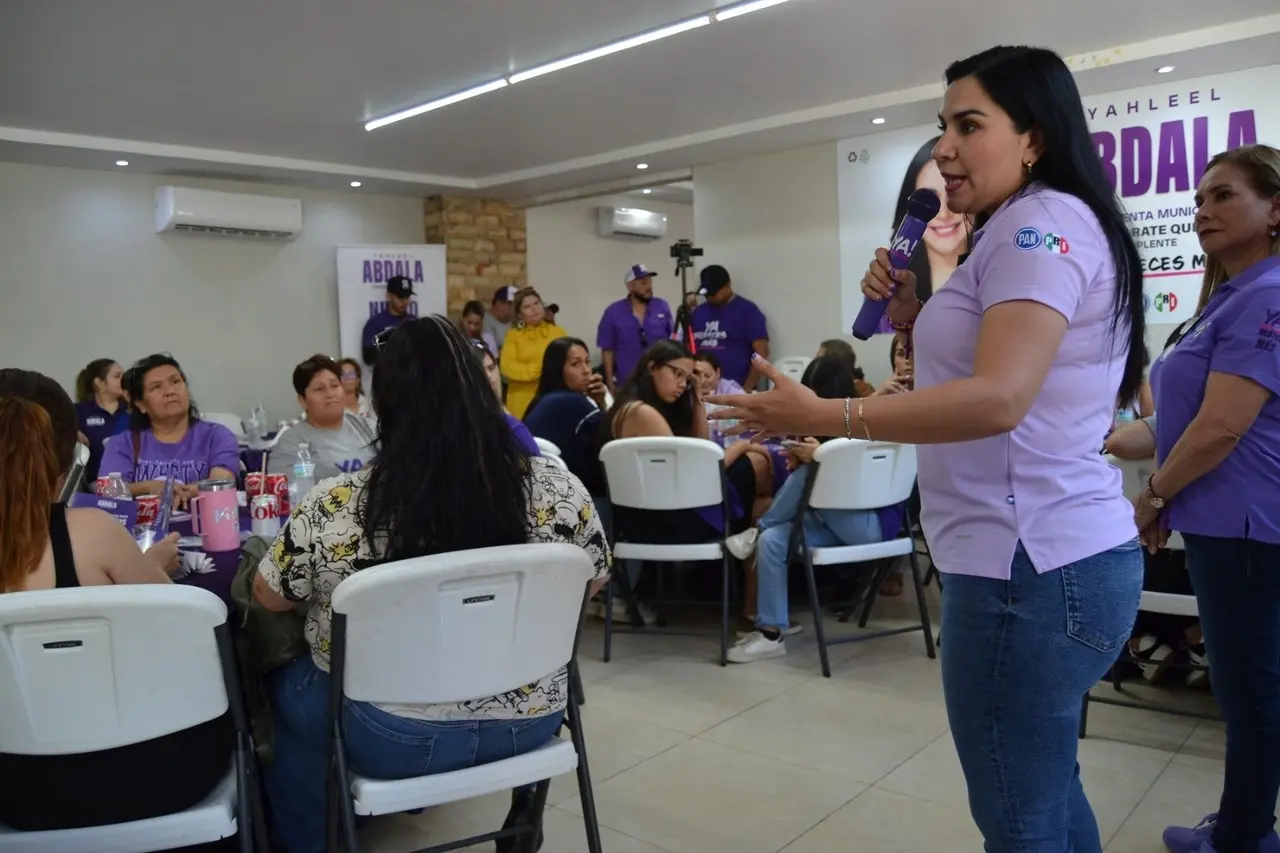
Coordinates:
691 758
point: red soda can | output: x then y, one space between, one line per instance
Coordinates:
100 486
148 509
278 485
254 482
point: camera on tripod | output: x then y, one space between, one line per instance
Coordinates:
684 252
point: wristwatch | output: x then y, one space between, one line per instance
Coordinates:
1156 501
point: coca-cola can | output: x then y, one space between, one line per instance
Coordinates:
253 483
100 486
148 509
265 516
278 485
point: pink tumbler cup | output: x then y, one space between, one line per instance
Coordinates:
215 516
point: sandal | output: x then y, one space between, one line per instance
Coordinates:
892 586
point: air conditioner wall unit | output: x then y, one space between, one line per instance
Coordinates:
630 222
188 210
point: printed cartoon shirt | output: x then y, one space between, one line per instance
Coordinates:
323 544
1044 484
1238 333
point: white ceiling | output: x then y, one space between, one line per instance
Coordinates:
278 91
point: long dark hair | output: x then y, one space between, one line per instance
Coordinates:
639 388
135 379
842 349
94 371
920 260
829 377
1035 87
552 377
50 396
448 474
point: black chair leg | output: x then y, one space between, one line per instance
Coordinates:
925 622
528 842
346 810
818 629
608 620
872 592
245 825
724 608
585 792
576 675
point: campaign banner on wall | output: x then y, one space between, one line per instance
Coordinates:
362 287
1154 143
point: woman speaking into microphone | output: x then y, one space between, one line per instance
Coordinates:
1019 360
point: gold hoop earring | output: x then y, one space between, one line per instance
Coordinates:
1027 168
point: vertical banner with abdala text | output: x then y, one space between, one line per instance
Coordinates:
362 287
1154 143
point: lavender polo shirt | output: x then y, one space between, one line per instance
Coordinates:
1239 334
1045 483
627 338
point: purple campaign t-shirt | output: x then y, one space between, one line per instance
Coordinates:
1238 333
729 331
205 446
627 338
1045 483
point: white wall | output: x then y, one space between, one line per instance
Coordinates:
83 275
571 265
773 222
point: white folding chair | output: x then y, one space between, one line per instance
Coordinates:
547 448
480 623
854 474
665 473
94 668
230 421
793 366
75 476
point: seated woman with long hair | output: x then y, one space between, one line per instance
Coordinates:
832 378
493 375
449 475
660 398
566 410
44 546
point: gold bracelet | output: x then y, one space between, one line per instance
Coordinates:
865 429
848 427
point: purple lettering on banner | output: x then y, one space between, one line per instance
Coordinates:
1242 129
376 308
399 267
412 310
417 271
1105 142
1172 173
377 272
1132 107
1200 146
1135 162
367 272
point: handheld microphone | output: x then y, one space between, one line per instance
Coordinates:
922 206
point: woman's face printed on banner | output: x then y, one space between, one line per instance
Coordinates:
946 234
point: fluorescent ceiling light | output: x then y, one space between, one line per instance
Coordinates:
355 183
877 120
473 92
745 8
122 162
625 44
1164 69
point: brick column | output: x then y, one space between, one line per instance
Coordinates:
485 246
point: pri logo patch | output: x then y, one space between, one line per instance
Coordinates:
1269 331
1056 244
1027 239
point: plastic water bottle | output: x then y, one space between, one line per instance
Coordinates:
303 479
116 487
255 426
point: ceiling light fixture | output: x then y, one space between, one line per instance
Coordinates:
1164 69
475 91
642 166
122 162
625 44
877 120
646 192
355 183
740 9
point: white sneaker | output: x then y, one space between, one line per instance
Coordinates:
756 646
789 631
743 545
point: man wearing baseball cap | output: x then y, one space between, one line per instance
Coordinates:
731 326
629 326
399 294
498 321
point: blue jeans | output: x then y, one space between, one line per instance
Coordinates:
1237 584
825 529
1019 656
379 744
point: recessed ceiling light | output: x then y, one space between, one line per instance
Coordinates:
355 183
642 166
877 120
646 192
473 92
1164 69
122 162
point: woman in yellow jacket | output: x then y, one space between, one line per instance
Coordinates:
524 347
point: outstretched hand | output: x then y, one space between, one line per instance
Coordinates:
786 409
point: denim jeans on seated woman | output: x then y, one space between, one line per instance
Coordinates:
379 744
1019 656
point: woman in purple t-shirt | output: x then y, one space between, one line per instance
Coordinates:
1218 444
1018 363
166 436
